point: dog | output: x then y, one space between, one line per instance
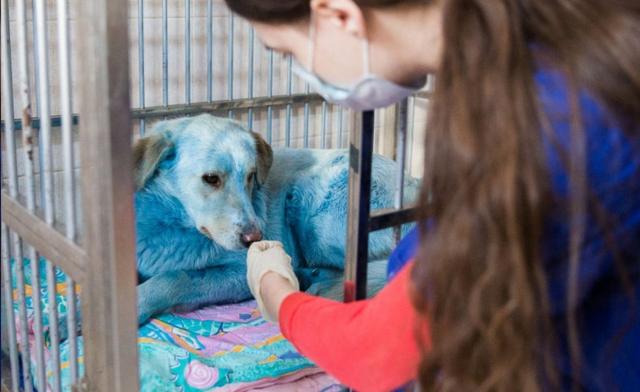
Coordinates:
206 188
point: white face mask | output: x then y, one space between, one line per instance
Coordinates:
368 93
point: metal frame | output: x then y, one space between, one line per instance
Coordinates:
359 220
269 102
360 157
108 263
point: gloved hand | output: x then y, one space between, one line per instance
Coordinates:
262 257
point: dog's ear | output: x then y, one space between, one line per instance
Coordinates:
265 157
148 152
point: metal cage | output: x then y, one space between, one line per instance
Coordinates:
80 81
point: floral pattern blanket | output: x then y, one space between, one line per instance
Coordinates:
218 348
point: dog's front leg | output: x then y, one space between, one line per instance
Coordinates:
192 289
160 292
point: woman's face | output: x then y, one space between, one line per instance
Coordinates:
404 43
338 57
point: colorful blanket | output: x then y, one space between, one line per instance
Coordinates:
221 348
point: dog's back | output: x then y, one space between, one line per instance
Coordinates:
307 203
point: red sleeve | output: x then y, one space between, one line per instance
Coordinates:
367 345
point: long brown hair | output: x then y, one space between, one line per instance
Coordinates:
482 282
479 277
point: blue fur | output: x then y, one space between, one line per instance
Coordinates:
302 203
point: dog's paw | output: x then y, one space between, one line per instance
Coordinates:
144 315
160 293
308 276
184 308
145 308
305 278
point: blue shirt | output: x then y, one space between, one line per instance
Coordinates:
609 335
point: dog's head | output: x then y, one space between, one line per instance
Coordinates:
215 168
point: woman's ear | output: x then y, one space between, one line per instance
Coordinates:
344 14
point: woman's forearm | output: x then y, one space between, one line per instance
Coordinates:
368 345
274 289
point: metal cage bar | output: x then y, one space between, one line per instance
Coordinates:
36 88
323 140
7 295
230 53
360 159
270 94
42 81
25 354
187 51
401 149
411 125
306 119
209 50
41 377
141 87
109 321
224 105
165 53
7 101
27 147
251 66
287 136
53 324
36 62
67 117
340 127
150 112
10 155
359 222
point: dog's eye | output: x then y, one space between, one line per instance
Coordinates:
212 179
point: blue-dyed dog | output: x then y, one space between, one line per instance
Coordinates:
207 188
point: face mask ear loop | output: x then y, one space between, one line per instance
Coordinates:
311 46
365 57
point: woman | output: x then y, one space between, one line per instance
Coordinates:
526 277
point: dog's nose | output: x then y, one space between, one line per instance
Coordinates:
250 237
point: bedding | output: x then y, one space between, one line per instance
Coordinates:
217 348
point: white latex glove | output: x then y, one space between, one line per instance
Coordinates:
262 257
